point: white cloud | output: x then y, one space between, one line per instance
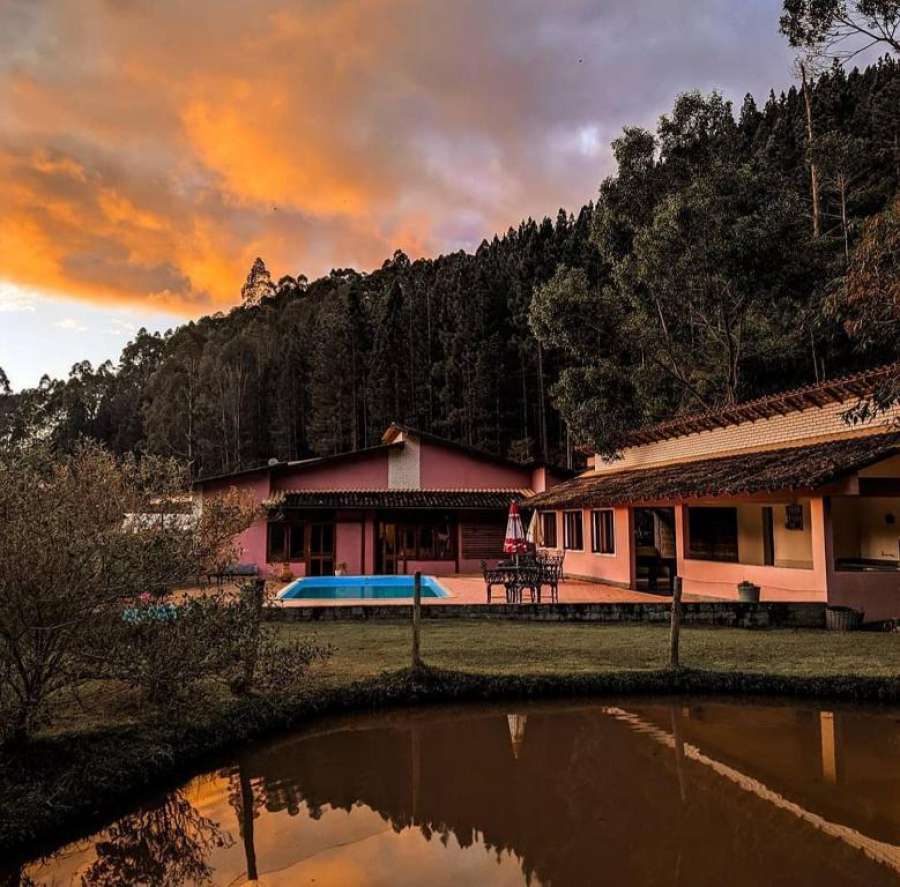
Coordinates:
13 298
589 141
69 323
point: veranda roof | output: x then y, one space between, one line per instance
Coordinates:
484 499
818 395
795 468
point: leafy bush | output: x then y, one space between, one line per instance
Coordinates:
167 650
80 536
162 650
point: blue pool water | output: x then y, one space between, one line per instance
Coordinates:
363 587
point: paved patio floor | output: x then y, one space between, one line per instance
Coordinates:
469 589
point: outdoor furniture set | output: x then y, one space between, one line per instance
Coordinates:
527 572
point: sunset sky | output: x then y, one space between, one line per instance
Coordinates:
150 149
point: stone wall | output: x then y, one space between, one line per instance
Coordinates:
732 614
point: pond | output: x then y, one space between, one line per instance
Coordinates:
612 791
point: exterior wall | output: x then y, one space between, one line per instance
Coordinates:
542 478
777 583
430 568
614 569
369 530
858 530
404 471
539 479
443 468
818 422
348 545
793 548
252 542
876 594
861 529
366 472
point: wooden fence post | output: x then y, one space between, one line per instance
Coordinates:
416 619
675 623
256 589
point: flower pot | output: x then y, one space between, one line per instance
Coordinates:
842 618
748 592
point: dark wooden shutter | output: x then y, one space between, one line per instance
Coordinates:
482 538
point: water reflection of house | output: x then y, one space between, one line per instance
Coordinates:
591 798
414 502
780 491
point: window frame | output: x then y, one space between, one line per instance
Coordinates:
443 532
286 554
549 519
597 532
279 557
711 556
567 546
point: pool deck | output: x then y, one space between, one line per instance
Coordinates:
469 589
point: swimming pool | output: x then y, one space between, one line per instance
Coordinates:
359 587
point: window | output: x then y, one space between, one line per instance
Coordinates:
320 560
296 539
286 542
548 528
277 543
713 534
572 531
429 539
603 535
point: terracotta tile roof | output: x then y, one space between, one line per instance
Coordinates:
399 499
792 468
831 391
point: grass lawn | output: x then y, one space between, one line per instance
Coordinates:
365 649
107 745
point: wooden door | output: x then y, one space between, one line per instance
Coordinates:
320 554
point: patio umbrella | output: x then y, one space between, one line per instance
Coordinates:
515 533
516 725
535 534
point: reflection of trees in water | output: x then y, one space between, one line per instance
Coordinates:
169 844
587 799
247 802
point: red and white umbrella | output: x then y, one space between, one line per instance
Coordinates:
515 542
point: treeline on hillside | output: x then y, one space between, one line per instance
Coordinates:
701 275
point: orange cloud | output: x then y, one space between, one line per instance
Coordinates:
150 151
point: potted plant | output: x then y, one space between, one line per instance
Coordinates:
286 575
842 618
340 569
748 591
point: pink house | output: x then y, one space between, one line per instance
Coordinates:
780 492
414 502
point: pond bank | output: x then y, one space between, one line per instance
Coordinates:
65 783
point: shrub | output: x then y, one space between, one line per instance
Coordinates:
80 535
160 649
166 651
259 659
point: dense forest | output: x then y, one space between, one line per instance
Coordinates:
718 263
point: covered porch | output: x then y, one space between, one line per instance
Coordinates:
815 523
385 532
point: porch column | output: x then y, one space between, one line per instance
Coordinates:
821 539
632 552
680 538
